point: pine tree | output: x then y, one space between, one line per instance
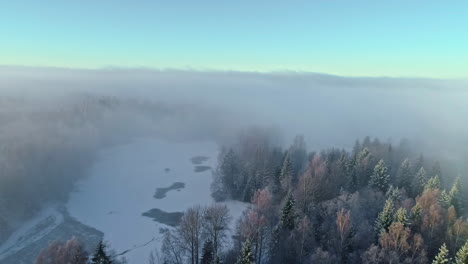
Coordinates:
405 175
286 175
100 256
443 256
401 216
207 253
246 256
462 254
385 218
380 179
420 181
288 215
433 183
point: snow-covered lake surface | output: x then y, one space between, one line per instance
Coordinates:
123 181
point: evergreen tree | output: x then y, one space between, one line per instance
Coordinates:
100 256
380 179
286 175
288 215
443 256
363 167
415 214
433 183
420 181
357 147
207 253
405 175
231 173
393 194
418 164
401 216
246 256
385 218
454 196
462 254
445 199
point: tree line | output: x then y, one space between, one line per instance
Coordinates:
376 203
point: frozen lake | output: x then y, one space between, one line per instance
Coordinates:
122 184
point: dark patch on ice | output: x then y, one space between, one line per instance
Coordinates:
170 219
202 168
161 192
197 160
166 170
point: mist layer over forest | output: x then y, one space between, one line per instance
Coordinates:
54 120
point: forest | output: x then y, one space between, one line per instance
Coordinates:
374 203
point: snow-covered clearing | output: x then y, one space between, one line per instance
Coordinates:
122 183
31 231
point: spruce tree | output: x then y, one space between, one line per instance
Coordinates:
420 181
445 199
230 174
405 175
385 218
433 183
462 254
207 253
401 216
100 256
363 168
380 179
418 163
443 256
288 215
246 256
454 196
393 194
286 175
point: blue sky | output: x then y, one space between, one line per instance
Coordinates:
353 38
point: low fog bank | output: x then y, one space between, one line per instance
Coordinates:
53 120
328 110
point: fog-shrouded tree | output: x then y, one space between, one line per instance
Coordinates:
420 181
433 183
380 179
405 175
454 196
231 173
287 173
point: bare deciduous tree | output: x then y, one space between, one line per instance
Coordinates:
216 220
190 233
